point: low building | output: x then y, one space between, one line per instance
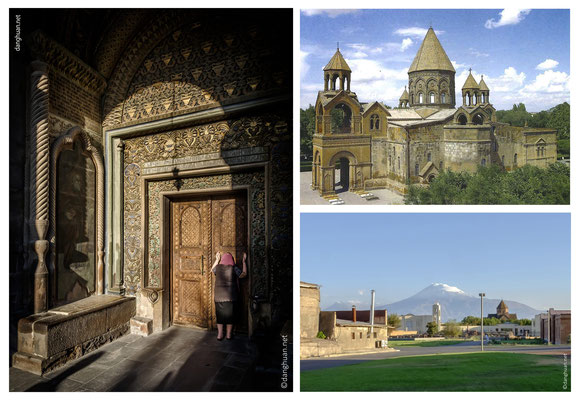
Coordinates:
417 323
555 324
352 335
309 295
379 316
503 330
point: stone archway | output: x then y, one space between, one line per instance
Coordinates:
344 165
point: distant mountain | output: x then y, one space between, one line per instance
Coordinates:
346 305
455 303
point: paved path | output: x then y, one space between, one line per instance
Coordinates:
176 359
309 196
329 362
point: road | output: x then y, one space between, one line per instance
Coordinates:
329 362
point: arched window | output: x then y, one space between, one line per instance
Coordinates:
412 102
389 160
398 164
443 98
462 119
515 158
420 98
468 99
441 165
428 157
374 122
478 119
483 162
503 159
416 169
432 97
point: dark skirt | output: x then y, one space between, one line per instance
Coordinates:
226 312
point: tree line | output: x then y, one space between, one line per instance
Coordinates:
492 185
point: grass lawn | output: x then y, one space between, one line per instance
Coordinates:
424 343
488 371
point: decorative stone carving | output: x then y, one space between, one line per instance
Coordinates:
39 167
67 63
65 142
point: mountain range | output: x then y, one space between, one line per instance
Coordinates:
455 304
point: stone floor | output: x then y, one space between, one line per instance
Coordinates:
177 359
309 196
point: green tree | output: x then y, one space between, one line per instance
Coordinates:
560 120
432 328
451 329
491 185
394 320
471 320
337 119
307 129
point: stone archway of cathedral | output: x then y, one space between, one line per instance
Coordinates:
193 102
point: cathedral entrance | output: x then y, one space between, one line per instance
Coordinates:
342 175
200 227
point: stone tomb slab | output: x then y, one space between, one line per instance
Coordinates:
50 339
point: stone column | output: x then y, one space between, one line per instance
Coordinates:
116 266
39 167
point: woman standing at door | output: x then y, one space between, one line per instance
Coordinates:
227 291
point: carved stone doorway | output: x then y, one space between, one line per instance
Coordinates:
201 226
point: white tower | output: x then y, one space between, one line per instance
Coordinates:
437 314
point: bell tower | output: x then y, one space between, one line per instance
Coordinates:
337 70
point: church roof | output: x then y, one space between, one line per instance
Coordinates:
470 82
502 306
483 85
405 95
337 62
431 55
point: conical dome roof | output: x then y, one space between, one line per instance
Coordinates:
483 85
502 306
337 62
405 95
431 55
470 82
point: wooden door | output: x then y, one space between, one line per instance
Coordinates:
200 228
229 215
190 224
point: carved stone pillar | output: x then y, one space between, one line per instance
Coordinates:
39 167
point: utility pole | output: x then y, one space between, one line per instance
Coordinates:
482 319
372 311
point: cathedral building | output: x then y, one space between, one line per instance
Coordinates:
366 145
143 142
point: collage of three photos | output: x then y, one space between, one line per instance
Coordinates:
161 179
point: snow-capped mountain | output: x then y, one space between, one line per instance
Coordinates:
455 303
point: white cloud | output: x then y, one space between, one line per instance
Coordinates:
414 32
304 67
331 13
547 64
476 53
550 82
360 292
508 16
372 81
405 43
458 65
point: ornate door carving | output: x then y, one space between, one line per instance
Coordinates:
189 262
200 228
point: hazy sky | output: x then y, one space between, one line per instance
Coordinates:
524 55
520 257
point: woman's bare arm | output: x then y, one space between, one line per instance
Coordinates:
217 260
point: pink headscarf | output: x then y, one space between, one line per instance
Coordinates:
227 259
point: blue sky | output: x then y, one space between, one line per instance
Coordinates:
520 257
524 55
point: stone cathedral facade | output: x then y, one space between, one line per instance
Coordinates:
364 145
141 143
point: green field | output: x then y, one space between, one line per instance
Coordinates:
424 343
489 371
